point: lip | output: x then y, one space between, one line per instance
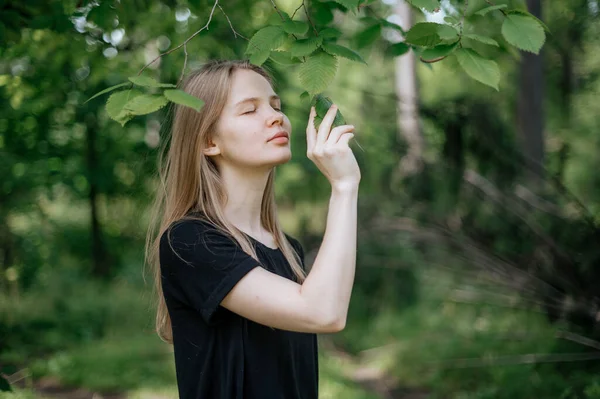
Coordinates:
282 133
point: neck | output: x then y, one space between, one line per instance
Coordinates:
245 189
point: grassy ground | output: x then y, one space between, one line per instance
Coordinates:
440 347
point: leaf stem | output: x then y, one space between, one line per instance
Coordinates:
432 60
491 3
185 42
309 20
296 10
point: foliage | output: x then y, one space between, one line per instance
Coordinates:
312 45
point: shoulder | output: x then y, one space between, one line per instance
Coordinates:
187 232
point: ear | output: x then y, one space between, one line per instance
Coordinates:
212 149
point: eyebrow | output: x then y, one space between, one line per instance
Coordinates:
273 97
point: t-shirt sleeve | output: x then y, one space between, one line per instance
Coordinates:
202 266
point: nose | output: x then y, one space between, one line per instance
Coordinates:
275 116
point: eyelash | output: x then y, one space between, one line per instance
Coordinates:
249 112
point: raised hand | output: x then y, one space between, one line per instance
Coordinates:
328 149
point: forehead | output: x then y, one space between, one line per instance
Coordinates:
246 83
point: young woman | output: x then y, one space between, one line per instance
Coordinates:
234 297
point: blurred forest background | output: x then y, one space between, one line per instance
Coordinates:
478 269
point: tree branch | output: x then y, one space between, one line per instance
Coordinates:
185 42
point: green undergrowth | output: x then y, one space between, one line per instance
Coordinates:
476 349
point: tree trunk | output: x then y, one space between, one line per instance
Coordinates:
530 111
408 101
100 258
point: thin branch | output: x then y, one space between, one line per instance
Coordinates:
462 20
579 339
186 40
491 3
438 59
309 20
235 34
296 10
184 64
277 9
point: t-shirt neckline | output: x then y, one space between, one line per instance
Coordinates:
261 243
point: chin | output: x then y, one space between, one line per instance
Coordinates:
283 160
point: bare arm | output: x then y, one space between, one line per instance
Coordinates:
320 304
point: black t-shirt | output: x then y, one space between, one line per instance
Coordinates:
219 354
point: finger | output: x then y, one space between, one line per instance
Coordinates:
311 133
337 132
346 137
325 126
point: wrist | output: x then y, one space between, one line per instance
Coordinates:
345 187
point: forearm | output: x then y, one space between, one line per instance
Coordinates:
328 286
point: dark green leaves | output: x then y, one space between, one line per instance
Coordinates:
442 50
304 47
106 91
481 39
266 39
115 106
295 27
477 67
147 81
429 5
397 49
182 98
486 10
322 105
318 71
524 32
336 49
424 34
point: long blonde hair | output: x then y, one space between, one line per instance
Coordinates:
189 180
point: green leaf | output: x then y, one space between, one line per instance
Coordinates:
304 47
480 69
423 34
527 14
106 91
481 39
451 20
275 18
267 38
145 104
284 58
330 33
258 58
397 49
442 50
429 5
367 36
524 33
387 24
147 81
116 103
336 49
317 72
486 10
295 27
447 32
182 98
304 96
349 4
321 13
322 105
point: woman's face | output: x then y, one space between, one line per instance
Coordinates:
250 119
